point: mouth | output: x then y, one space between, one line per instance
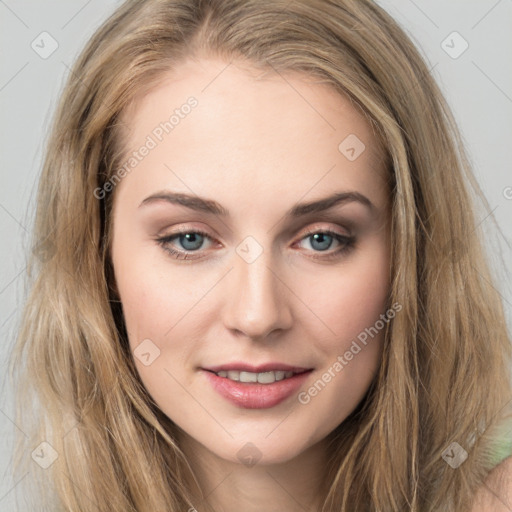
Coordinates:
256 387
268 377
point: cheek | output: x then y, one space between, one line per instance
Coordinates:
159 305
352 299
155 296
351 304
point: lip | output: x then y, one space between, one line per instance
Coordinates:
254 395
265 367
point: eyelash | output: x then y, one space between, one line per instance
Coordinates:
348 241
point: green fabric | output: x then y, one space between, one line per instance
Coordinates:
503 447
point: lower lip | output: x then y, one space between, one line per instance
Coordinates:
255 395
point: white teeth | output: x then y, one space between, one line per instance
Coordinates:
251 377
279 375
266 377
248 377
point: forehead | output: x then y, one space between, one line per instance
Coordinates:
250 130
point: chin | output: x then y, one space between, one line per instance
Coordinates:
261 450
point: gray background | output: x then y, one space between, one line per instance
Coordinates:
477 84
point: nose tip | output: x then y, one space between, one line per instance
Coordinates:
257 300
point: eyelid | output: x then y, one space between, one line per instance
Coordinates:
181 230
178 232
315 228
322 228
180 254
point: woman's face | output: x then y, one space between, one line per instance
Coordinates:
282 278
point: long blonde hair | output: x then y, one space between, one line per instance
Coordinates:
444 375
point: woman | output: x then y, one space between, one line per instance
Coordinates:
258 282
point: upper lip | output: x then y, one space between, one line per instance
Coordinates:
266 367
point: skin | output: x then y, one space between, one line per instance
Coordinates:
258 146
496 494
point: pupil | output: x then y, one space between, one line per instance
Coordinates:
323 239
191 241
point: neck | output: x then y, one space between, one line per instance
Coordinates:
295 485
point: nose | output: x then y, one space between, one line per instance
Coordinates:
257 299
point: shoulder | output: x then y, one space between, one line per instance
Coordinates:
496 493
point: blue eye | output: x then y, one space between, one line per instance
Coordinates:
192 241
321 241
189 240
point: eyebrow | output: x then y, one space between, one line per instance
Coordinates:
213 207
